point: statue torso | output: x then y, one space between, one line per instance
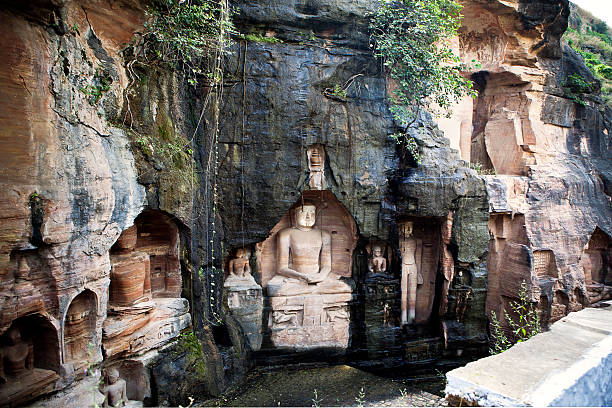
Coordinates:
408 249
304 250
15 358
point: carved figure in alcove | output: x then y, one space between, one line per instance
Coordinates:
447 261
377 263
130 271
17 357
240 270
79 328
411 277
316 165
114 389
304 259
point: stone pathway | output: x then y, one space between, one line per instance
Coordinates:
331 386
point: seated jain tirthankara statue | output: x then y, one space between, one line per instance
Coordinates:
309 301
304 259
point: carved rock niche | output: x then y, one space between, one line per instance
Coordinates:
426 233
130 271
79 328
29 360
596 262
315 314
146 309
158 236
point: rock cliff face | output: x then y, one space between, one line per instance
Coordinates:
102 232
551 218
69 188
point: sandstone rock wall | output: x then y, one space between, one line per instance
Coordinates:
85 152
550 154
69 188
280 103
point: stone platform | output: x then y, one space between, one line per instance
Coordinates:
145 326
26 386
569 365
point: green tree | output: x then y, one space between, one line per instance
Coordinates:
600 27
412 39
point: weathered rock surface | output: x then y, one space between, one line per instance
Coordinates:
550 154
82 163
280 106
69 188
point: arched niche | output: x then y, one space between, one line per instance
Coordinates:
304 317
596 264
333 217
30 359
599 252
426 233
158 236
80 327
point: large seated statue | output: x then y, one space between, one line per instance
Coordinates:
17 356
304 259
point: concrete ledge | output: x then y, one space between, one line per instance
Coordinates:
569 365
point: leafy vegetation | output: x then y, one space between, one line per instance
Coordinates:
260 38
574 86
592 39
409 143
189 343
523 321
481 170
337 91
183 34
411 37
101 84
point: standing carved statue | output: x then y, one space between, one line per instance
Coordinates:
410 273
377 262
17 357
240 270
447 261
114 389
316 166
304 258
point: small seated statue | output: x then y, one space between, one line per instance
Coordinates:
240 270
17 357
114 389
304 259
377 263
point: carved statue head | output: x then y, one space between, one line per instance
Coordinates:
241 253
305 215
112 375
316 157
377 251
14 336
407 228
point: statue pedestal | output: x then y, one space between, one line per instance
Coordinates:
304 322
382 311
26 386
245 302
